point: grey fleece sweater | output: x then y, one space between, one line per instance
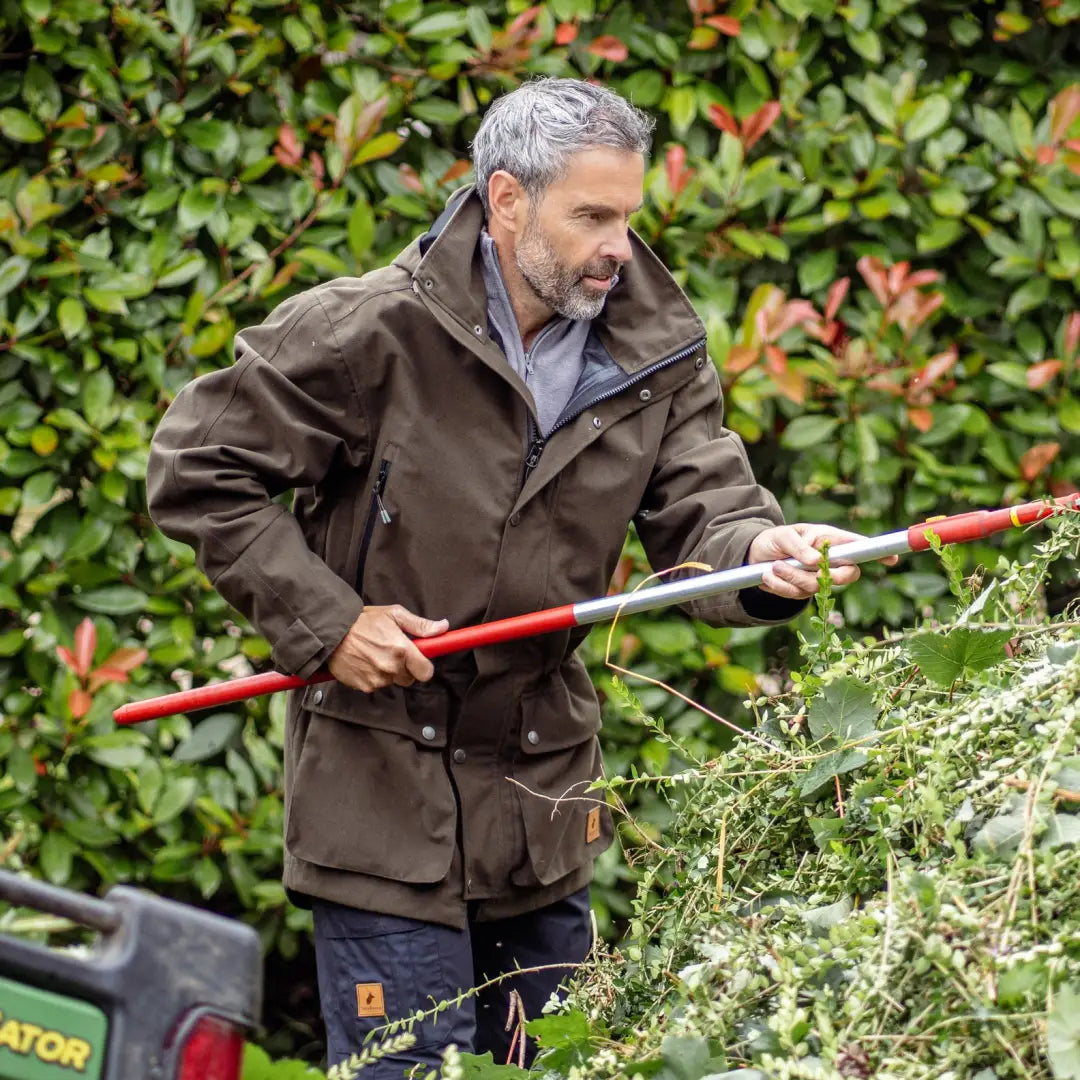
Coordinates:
552 367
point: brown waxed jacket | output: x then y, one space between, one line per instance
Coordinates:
383 401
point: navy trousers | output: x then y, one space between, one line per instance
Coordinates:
377 968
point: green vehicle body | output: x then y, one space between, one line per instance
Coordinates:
127 1008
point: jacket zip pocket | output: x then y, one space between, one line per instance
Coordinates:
376 512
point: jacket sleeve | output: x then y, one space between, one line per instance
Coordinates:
280 417
704 505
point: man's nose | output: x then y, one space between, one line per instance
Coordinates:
617 245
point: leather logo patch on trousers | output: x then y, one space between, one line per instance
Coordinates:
369 999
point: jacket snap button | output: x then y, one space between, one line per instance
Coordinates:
645 395
699 363
428 732
428 283
316 698
596 421
533 737
478 331
515 521
459 756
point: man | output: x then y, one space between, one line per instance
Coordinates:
469 432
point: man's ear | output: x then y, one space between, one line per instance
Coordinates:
508 201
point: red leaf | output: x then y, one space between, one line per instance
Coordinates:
726 24
923 419
874 275
926 307
288 150
723 119
1064 109
85 644
1039 375
678 176
921 277
835 297
1044 154
757 123
792 384
523 20
740 358
99 677
126 658
1072 335
1038 458
318 167
623 570
67 657
935 367
609 47
791 314
410 178
896 278
701 7
566 32
79 702
458 169
775 360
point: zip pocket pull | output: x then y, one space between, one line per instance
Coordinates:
384 514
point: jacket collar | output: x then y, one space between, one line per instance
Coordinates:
647 316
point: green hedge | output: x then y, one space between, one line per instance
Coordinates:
169 173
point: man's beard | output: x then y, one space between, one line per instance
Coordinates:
558 285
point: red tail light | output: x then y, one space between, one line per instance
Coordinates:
214 1050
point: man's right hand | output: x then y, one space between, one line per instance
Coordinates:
377 651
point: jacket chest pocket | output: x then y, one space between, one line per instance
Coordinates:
378 516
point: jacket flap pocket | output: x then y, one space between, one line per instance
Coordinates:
552 718
420 712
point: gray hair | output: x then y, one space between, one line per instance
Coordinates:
533 131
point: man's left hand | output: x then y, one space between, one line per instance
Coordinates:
802 542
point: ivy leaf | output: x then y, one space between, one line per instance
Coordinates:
1001 835
1063 1034
835 764
963 651
484 1067
1063 830
845 710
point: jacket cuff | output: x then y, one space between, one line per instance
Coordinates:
301 651
765 607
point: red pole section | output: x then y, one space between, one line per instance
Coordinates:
963 528
225 693
958 529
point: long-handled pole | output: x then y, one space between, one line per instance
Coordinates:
958 529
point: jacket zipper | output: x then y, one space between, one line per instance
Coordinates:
537 442
376 511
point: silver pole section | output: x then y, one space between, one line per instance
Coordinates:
721 581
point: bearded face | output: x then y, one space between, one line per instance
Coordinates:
575 291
